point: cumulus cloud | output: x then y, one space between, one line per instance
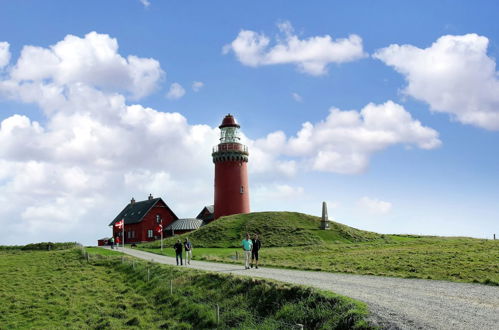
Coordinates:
454 75
311 55
297 97
175 92
197 85
92 60
74 170
345 140
374 206
145 3
4 54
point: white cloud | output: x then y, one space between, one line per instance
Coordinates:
175 92
311 55
454 75
145 3
197 85
374 206
4 54
297 97
92 60
72 172
345 140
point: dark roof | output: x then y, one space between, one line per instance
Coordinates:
185 224
210 209
133 213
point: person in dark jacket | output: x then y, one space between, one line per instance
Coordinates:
178 251
254 250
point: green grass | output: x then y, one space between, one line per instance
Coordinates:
103 252
451 259
61 289
276 229
293 240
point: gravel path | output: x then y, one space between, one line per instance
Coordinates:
395 303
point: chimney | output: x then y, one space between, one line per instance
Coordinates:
132 201
150 197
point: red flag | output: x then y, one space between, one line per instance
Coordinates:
159 228
120 224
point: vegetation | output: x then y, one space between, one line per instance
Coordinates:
278 229
45 246
296 242
61 289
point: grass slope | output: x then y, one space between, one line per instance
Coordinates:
293 240
276 229
60 289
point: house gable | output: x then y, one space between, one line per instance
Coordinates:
135 212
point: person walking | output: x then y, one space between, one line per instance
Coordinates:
254 250
188 251
111 242
178 252
247 245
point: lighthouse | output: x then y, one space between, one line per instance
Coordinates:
231 171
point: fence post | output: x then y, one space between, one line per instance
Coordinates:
133 264
218 313
148 273
299 326
237 255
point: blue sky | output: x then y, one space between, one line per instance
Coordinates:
386 109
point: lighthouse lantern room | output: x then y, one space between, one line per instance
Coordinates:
231 171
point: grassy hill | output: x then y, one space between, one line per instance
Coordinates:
294 240
276 229
60 289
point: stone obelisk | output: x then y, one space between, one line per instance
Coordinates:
325 220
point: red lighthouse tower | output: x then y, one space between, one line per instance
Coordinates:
231 171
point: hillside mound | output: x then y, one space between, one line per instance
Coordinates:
276 229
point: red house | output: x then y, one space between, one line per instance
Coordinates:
142 219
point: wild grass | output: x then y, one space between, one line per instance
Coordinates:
277 229
294 240
43 246
60 289
438 258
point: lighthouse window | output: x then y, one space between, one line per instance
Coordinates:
242 190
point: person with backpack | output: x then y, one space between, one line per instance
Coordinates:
178 252
188 251
254 250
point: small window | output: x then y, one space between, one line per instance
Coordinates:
150 233
242 190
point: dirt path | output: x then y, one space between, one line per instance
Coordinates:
395 303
